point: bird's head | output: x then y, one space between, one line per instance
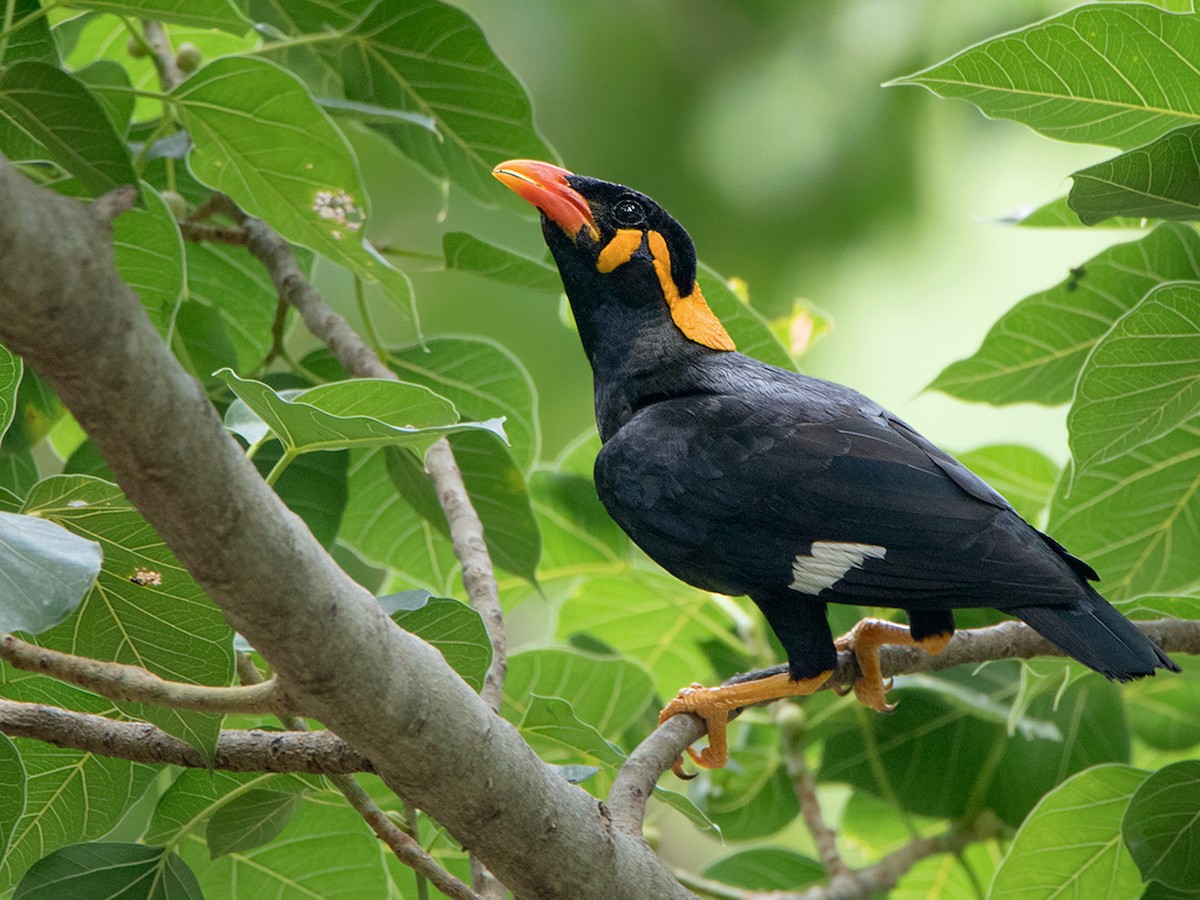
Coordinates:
616 243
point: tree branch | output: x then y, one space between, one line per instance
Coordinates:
162 54
1008 640
466 529
64 309
316 752
117 681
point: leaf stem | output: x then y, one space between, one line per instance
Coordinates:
289 454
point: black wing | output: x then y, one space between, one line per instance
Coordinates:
725 492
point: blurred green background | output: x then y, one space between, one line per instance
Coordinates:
763 127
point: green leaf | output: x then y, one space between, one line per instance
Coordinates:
946 876
1127 516
45 571
197 794
11 368
386 531
1070 843
221 14
453 627
750 331
432 59
1158 181
361 412
1024 476
483 380
70 795
1036 350
1165 712
551 727
1116 74
754 798
466 253
652 618
12 791
148 251
259 137
314 486
46 114
240 291
144 610
766 869
30 36
100 871
250 820
109 83
1142 379
608 692
1058 214
326 851
500 496
1162 826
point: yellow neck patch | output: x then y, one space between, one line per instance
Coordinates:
691 313
619 250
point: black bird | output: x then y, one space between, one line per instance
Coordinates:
742 478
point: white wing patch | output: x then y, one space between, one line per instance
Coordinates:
828 562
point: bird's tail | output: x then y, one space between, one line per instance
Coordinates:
1098 636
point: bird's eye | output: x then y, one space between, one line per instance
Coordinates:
628 211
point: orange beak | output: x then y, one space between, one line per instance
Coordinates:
546 187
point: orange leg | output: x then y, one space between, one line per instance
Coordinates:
713 705
865 639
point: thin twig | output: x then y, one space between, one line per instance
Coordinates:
824 837
201 232
162 54
316 752
117 201
118 681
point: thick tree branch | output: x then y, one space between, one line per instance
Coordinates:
117 681
316 752
64 309
1008 640
466 529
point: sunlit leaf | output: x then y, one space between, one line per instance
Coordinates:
196 794
453 627
250 820
1165 712
362 412
1116 74
551 723
750 331
766 869
1024 476
71 796
11 369
609 693
12 791
30 36
1162 826
221 14
1058 214
109 869
259 137
148 252
1070 844
1036 350
1142 380
1128 516
45 571
432 59
467 253
1158 181
326 851
145 609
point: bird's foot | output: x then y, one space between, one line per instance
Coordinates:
864 640
714 705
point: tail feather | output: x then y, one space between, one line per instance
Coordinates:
1094 633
